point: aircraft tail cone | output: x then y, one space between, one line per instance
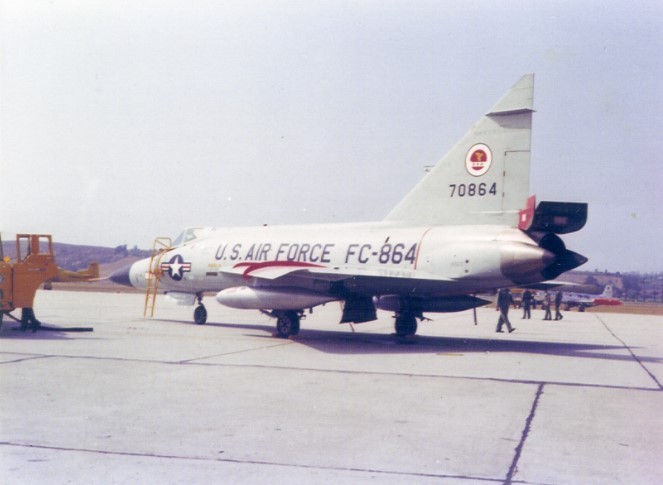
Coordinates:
564 261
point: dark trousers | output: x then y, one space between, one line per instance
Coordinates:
527 313
504 318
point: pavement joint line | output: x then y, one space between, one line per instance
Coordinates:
248 462
354 372
635 357
24 359
223 354
528 425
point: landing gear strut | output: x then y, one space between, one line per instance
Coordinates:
200 313
287 323
406 324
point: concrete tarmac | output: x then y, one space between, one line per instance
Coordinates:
163 400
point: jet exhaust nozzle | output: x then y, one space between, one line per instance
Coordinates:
565 261
522 262
526 263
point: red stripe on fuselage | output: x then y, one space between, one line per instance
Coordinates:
251 267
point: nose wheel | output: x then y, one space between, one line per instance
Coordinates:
200 313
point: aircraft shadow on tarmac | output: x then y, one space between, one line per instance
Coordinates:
48 332
343 342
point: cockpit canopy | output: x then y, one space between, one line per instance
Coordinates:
192 234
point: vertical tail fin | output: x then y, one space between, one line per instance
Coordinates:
607 291
484 178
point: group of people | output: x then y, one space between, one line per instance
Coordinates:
505 300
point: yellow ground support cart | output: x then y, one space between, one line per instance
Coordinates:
34 265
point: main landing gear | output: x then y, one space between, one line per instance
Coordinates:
287 322
406 324
200 313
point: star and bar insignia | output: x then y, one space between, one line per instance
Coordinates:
176 267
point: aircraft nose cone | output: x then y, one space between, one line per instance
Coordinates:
121 276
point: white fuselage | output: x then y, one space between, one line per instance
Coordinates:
485 257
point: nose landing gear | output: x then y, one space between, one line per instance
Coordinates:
200 313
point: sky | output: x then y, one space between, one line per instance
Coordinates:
123 121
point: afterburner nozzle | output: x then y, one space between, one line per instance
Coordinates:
520 262
564 261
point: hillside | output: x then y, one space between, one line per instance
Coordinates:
75 257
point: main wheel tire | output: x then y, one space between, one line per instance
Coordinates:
406 324
295 325
287 324
200 315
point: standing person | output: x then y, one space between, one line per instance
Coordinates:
527 304
504 301
558 303
546 306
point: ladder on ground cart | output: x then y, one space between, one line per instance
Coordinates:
159 248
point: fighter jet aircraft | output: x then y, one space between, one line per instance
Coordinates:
585 300
467 227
